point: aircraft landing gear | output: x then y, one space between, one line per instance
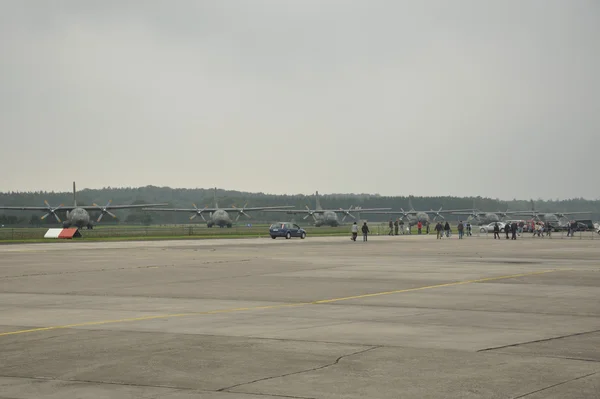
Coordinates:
229 225
209 225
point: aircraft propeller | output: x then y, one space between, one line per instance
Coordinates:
198 212
404 213
437 213
51 211
310 213
347 213
241 212
104 210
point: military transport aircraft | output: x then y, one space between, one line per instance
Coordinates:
480 217
329 217
217 216
414 217
77 216
552 218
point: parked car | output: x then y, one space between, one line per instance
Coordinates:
489 228
287 230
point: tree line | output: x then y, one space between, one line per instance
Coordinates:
184 198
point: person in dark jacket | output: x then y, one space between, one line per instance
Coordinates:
438 228
460 228
396 227
365 231
507 230
447 229
391 224
514 228
496 231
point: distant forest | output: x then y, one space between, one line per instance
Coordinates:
184 198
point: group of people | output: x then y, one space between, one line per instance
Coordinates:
397 227
510 229
441 229
365 230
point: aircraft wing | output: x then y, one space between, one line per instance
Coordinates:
108 207
180 209
36 208
295 211
260 208
451 211
361 210
570 213
374 211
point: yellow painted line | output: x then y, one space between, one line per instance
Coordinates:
280 306
480 280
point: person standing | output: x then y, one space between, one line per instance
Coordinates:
496 231
469 229
391 224
427 227
438 229
507 230
419 227
460 228
447 229
514 228
396 227
365 231
354 231
402 226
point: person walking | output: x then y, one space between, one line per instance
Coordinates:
438 228
391 224
365 231
507 230
496 231
402 226
396 227
419 227
469 228
354 231
514 227
447 229
427 227
460 228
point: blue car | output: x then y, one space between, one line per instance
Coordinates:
287 230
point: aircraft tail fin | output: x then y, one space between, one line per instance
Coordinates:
74 195
317 202
215 198
410 205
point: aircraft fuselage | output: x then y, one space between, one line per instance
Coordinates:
327 219
418 217
220 218
486 218
79 218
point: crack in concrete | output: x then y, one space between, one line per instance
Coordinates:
99 382
538 341
116 269
581 359
555 385
226 389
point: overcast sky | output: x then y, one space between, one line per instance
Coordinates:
491 98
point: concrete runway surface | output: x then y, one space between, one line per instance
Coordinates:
397 317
